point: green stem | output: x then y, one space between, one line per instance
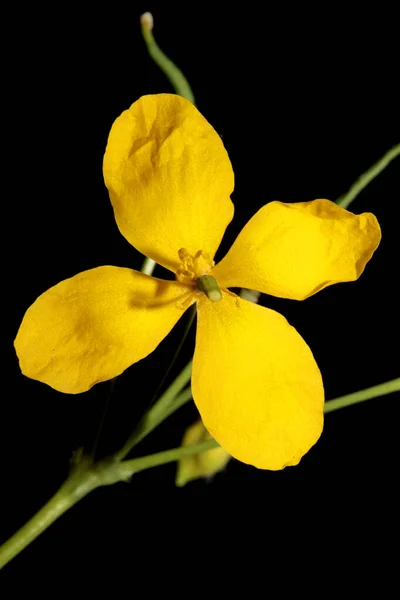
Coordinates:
175 75
373 392
50 512
154 460
130 467
84 478
368 176
191 315
87 476
331 405
160 410
155 416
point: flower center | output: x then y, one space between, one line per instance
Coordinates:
193 270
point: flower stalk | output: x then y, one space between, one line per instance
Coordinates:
366 178
87 476
172 72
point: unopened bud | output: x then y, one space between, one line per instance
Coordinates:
206 464
147 21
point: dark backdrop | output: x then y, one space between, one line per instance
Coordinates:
304 102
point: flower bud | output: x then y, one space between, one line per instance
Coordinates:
206 464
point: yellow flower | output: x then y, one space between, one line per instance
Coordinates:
255 381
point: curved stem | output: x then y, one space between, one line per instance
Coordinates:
368 176
175 75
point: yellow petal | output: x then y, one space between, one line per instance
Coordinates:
206 464
93 326
256 383
169 178
295 250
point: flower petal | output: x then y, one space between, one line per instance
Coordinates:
93 326
256 383
295 250
169 178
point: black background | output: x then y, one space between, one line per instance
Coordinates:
305 101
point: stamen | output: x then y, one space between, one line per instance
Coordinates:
183 253
194 266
